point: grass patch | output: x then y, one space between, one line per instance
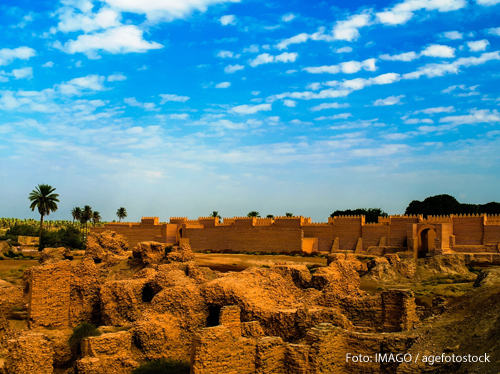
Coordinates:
164 366
447 279
82 331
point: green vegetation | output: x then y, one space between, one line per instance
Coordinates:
288 214
121 213
446 205
44 199
164 366
253 213
82 331
67 236
371 214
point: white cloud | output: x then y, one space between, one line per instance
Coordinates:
254 48
349 67
23 73
403 12
233 68
343 50
227 54
469 91
116 78
133 102
255 93
414 121
123 39
408 56
168 10
288 17
250 109
182 116
478 45
223 85
334 117
173 97
290 103
227 20
476 116
453 35
8 55
86 20
297 39
438 70
48 64
487 2
494 31
266 58
348 29
76 86
329 106
440 109
437 50
391 100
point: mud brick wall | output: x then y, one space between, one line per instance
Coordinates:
372 233
348 230
253 239
324 233
491 233
468 230
216 351
329 346
445 230
398 229
363 312
270 356
398 310
49 295
230 317
30 354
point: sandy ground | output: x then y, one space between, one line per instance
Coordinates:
235 262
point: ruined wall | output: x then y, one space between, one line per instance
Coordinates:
147 230
372 233
252 239
348 230
216 351
49 295
323 232
468 230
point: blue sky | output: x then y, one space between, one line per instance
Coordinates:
179 108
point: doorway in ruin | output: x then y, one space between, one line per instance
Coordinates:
213 315
427 242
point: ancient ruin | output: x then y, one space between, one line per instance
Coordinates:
156 302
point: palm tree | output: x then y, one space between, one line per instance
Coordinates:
96 217
288 214
76 213
44 199
121 213
86 216
253 213
215 214
270 216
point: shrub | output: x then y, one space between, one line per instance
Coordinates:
82 331
164 366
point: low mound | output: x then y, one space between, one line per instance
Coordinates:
107 247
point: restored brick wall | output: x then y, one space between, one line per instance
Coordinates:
398 229
323 233
491 234
348 230
372 234
134 233
253 239
468 230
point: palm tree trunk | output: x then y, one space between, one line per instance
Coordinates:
40 233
